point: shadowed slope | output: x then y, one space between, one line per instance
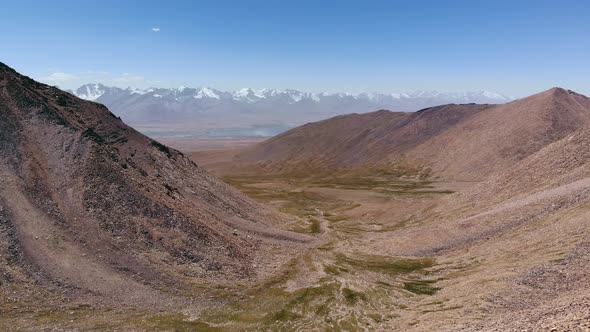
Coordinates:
88 199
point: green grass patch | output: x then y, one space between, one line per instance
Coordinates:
315 226
305 302
386 264
352 297
421 287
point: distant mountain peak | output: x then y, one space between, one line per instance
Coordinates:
120 179
206 106
207 92
93 91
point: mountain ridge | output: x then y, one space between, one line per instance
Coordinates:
93 91
208 108
466 141
119 204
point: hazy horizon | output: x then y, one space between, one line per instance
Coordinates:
268 165
409 92
514 49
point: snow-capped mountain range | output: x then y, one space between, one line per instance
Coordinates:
96 90
206 107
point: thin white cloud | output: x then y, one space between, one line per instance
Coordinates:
97 72
76 79
128 78
156 29
58 77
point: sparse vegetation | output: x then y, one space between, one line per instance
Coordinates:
315 226
421 287
352 297
297 196
92 135
347 224
386 264
61 100
161 147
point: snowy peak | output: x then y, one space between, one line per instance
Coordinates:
139 91
207 93
185 106
95 91
91 91
246 94
290 96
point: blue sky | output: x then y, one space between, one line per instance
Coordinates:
511 47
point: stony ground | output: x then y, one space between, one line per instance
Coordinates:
515 259
96 217
102 228
391 254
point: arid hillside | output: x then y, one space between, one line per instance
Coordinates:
509 253
464 142
90 206
496 194
358 223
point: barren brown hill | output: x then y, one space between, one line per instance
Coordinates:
104 228
511 246
466 142
511 250
89 205
528 226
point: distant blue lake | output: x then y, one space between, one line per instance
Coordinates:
255 131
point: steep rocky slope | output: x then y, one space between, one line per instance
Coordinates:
87 202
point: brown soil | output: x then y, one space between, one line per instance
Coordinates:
510 243
458 217
95 213
460 142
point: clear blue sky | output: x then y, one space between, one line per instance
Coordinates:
512 47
